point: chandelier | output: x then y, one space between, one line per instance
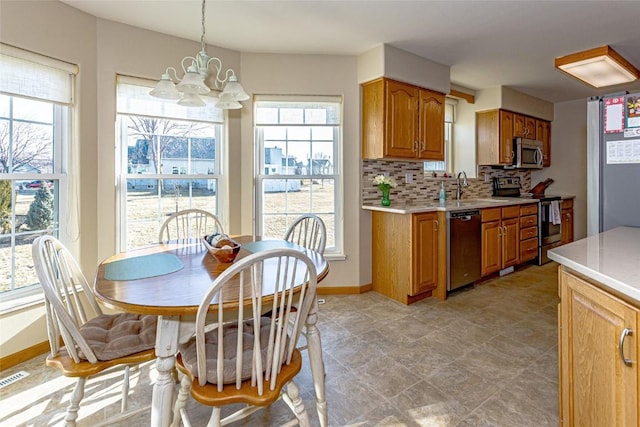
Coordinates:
196 70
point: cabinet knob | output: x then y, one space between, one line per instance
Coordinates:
436 224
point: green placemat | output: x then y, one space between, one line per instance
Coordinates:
264 245
142 266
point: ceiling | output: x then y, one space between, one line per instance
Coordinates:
486 43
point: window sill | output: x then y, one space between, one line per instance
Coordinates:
335 257
22 301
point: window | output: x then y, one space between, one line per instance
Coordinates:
170 160
35 107
449 118
298 149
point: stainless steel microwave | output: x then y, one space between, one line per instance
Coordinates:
528 153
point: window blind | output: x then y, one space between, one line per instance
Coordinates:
36 76
133 98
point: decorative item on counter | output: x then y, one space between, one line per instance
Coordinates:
434 174
223 248
443 194
385 183
445 175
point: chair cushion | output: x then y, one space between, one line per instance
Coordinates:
230 339
117 335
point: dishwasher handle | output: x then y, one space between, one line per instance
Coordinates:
464 215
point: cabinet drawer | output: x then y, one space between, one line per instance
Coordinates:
529 232
511 212
528 221
528 249
529 209
492 214
567 204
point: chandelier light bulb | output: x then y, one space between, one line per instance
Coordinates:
201 68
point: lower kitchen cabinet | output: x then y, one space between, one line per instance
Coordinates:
406 255
597 387
567 220
500 238
528 232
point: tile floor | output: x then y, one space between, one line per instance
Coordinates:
486 356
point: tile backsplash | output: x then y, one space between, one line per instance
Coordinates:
425 188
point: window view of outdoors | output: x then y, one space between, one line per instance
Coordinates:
171 165
298 171
29 184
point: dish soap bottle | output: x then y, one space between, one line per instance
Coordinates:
443 194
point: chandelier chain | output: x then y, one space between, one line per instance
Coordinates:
203 26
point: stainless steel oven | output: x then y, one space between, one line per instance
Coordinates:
549 226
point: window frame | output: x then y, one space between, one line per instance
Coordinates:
331 252
59 95
122 175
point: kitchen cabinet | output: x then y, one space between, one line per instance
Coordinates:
566 208
401 121
596 386
524 126
494 137
528 232
406 255
543 133
496 129
500 238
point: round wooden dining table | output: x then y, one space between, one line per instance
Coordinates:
169 280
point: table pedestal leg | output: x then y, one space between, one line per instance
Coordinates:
166 349
314 347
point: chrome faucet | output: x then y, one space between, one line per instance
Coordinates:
462 184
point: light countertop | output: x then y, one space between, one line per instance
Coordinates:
409 207
611 258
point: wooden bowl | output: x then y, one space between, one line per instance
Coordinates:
225 254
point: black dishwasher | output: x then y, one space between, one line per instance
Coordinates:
465 249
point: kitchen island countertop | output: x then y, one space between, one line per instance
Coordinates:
611 258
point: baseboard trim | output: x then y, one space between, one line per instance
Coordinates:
344 290
24 355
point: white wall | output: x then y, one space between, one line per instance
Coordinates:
272 74
569 159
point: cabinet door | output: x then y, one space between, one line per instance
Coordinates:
506 137
543 133
529 127
597 388
401 120
510 242
431 125
567 226
518 126
491 247
425 252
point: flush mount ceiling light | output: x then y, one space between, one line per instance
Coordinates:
196 70
598 67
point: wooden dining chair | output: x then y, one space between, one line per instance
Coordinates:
252 358
309 231
189 224
93 341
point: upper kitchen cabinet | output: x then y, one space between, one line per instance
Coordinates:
494 136
524 126
543 133
496 129
401 121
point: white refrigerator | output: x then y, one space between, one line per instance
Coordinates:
613 162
